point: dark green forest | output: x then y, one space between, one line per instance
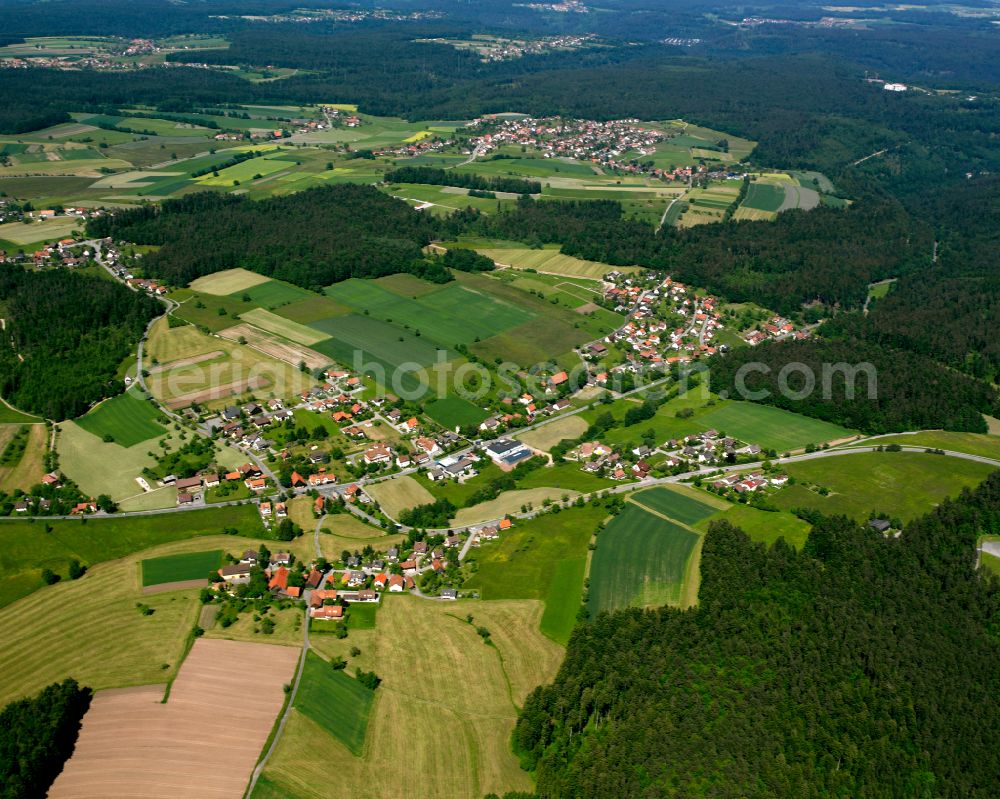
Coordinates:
441 177
72 332
909 391
37 736
862 666
824 255
312 238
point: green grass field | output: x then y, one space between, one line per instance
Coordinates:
903 484
273 294
9 415
454 412
362 615
27 547
972 443
450 315
641 561
337 703
674 505
771 428
184 566
764 526
128 419
764 197
543 558
382 341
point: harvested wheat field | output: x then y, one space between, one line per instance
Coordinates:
275 346
203 742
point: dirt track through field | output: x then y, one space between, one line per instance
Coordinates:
178 585
203 742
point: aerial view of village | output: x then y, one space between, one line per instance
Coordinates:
485 424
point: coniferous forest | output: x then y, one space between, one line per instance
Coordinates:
312 238
65 337
862 666
37 736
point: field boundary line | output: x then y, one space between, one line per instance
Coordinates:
664 516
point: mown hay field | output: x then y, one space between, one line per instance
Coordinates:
548 435
550 261
293 331
510 500
428 718
398 495
228 282
27 470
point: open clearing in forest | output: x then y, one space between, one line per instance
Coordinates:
398 495
132 745
228 282
551 261
429 717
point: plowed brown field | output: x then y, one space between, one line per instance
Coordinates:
203 742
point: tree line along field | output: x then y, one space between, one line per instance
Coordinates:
428 717
27 546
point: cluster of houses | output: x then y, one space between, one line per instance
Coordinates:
602 460
328 591
245 426
649 301
748 483
562 7
191 489
583 139
531 408
707 448
500 49
777 328
702 449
